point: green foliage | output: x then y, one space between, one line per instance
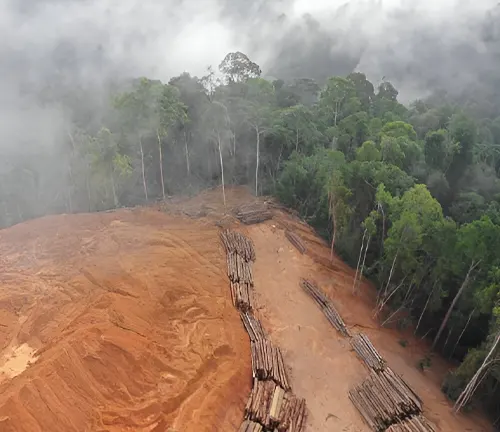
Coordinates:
419 183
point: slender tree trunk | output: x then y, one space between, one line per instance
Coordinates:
257 163
363 263
391 271
334 234
113 189
161 164
359 262
381 304
463 331
425 307
234 144
186 150
453 303
221 168
471 387
383 229
87 183
143 171
447 338
297 140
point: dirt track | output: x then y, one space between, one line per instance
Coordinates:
130 316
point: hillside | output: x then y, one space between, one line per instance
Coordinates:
131 321
122 321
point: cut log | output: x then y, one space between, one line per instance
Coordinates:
367 352
296 241
327 308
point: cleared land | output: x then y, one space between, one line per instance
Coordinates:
123 321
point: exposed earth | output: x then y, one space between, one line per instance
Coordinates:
122 321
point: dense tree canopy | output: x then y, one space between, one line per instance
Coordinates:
408 195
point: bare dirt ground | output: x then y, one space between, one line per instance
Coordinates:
322 363
132 321
122 321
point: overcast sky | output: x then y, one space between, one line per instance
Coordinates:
416 44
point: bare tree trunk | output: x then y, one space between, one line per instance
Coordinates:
221 168
363 263
381 304
161 164
359 261
381 208
143 170
403 305
447 338
453 303
463 331
113 189
425 307
297 140
188 166
257 163
87 183
334 226
471 387
390 273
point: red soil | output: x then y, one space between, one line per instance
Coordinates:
130 316
133 324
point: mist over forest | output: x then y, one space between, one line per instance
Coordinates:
377 121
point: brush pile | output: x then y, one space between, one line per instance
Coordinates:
330 312
274 408
384 399
253 327
415 424
296 241
253 213
267 363
367 352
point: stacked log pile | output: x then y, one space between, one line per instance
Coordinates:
253 213
250 426
234 242
267 363
330 312
367 352
239 255
271 405
274 408
253 327
239 269
296 241
384 399
415 424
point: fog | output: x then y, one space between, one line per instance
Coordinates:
417 44
52 50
